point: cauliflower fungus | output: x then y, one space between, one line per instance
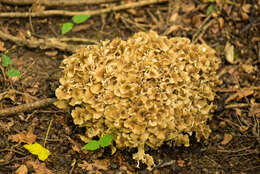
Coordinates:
147 90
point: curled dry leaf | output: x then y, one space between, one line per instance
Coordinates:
2 48
39 168
23 137
22 170
227 138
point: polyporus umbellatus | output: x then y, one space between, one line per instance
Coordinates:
146 91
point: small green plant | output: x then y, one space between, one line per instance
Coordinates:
7 62
211 7
104 141
77 19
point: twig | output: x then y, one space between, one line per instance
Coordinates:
39 43
239 105
201 29
202 32
70 13
240 89
72 165
48 131
27 107
58 2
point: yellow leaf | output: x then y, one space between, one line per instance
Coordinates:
37 149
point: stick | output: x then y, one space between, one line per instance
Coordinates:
202 28
235 90
70 13
239 105
39 43
27 107
58 2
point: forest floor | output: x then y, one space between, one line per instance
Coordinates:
36 47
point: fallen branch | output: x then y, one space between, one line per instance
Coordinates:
41 43
58 2
73 13
27 107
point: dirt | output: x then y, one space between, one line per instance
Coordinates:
234 144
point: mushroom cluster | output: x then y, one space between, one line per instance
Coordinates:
146 90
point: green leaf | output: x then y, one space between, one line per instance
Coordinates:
13 72
66 27
6 60
106 140
92 145
210 9
80 18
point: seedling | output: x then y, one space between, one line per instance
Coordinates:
211 7
104 141
77 19
7 62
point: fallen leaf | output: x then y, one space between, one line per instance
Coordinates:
86 166
254 110
221 22
23 137
7 125
244 93
248 68
174 17
39 150
101 164
97 165
172 29
230 53
2 48
227 138
22 170
39 168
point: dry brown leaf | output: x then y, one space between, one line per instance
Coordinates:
86 166
221 22
248 68
172 29
75 146
39 168
6 126
246 8
244 15
255 110
22 170
97 165
23 137
2 48
188 7
174 17
101 164
244 93
227 138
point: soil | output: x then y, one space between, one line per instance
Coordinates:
234 144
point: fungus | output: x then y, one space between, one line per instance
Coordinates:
146 90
